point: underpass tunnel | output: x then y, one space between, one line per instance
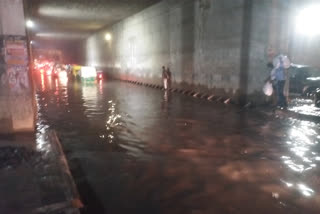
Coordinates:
65 25
87 74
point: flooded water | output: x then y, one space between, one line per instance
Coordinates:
133 149
304 106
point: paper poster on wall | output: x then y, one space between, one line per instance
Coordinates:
14 69
16 52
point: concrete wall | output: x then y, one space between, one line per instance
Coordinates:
268 36
17 112
140 44
218 45
199 40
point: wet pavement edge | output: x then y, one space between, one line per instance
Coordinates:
73 202
192 93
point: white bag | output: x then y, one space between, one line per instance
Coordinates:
268 89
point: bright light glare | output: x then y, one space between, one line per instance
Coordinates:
63 78
118 65
108 37
30 24
88 72
308 21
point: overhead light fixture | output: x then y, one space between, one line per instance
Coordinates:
307 22
30 24
108 37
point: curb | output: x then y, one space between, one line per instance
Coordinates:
195 94
226 101
73 203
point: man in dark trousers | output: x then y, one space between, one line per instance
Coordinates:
279 76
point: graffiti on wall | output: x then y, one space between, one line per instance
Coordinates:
15 79
14 65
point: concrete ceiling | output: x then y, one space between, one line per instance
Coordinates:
76 19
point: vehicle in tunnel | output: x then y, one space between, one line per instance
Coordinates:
59 71
99 75
317 98
88 73
75 72
312 90
305 82
298 78
43 66
85 73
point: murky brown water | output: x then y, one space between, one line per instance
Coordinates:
133 149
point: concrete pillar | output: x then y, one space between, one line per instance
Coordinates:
17 106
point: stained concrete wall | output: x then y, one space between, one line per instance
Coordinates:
141 43
221 46
199 40
218 43
268 36
17 112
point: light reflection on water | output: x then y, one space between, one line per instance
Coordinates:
41 141
42 144
113 120
90 98
302 142
304 106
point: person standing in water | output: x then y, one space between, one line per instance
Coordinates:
169 77
165 78
281 63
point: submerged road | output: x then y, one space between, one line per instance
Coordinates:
133 149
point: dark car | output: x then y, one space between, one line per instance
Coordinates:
317 98
312 89
305 81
